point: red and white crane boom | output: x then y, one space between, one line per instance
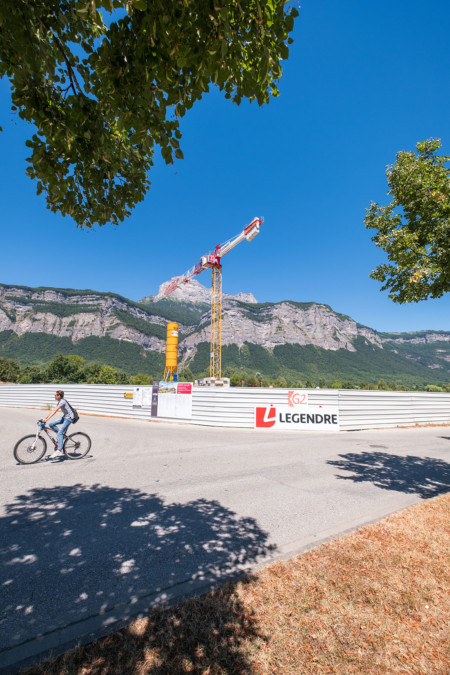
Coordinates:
213 261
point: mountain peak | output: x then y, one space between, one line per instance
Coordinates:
288 338
195 292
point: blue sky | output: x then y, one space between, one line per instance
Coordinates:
363 81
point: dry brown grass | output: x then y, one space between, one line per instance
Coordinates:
375 602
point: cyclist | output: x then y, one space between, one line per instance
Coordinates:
65 420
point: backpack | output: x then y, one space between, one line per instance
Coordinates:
76 416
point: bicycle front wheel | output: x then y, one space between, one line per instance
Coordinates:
77 445
30 449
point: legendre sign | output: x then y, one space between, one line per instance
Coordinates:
305 417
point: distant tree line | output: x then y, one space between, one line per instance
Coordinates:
70 369
73 369
294 363
246 379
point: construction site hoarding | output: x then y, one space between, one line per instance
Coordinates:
235 406
165 399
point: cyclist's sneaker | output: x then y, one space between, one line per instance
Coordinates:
56 453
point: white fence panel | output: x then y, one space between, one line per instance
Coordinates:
374 409
235 407
431 408
100 399
379 409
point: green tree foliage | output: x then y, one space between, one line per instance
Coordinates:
39 348
92 373
71 369
186 375
31 375
235 380
104 87
414 229
141 378
245 355
60 308
408 363
9 370
141 325
108 375
68 369
187 313
76 361
98 374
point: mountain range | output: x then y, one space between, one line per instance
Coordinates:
294 340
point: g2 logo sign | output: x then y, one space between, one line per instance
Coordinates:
297 398
265 417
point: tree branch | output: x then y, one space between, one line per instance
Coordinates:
70 70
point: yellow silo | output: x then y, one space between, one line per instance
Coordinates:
171 370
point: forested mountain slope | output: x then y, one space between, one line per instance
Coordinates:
292 339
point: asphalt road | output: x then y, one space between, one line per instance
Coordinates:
159 511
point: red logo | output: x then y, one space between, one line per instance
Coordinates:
296 398
266 417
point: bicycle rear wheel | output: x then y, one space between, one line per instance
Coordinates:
30 449
77 446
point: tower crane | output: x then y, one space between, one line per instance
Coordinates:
213 261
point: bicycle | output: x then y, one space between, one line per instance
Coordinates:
31 449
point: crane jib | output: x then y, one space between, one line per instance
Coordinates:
212 260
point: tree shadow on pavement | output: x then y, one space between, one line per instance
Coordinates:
424 476
71 553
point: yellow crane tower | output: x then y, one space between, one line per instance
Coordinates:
213 261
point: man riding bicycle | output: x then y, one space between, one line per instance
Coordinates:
65 420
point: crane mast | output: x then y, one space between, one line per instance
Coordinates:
215 361
213 261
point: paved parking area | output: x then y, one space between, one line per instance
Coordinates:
158 511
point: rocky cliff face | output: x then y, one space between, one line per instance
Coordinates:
81 314
282 323
75 316
424 337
